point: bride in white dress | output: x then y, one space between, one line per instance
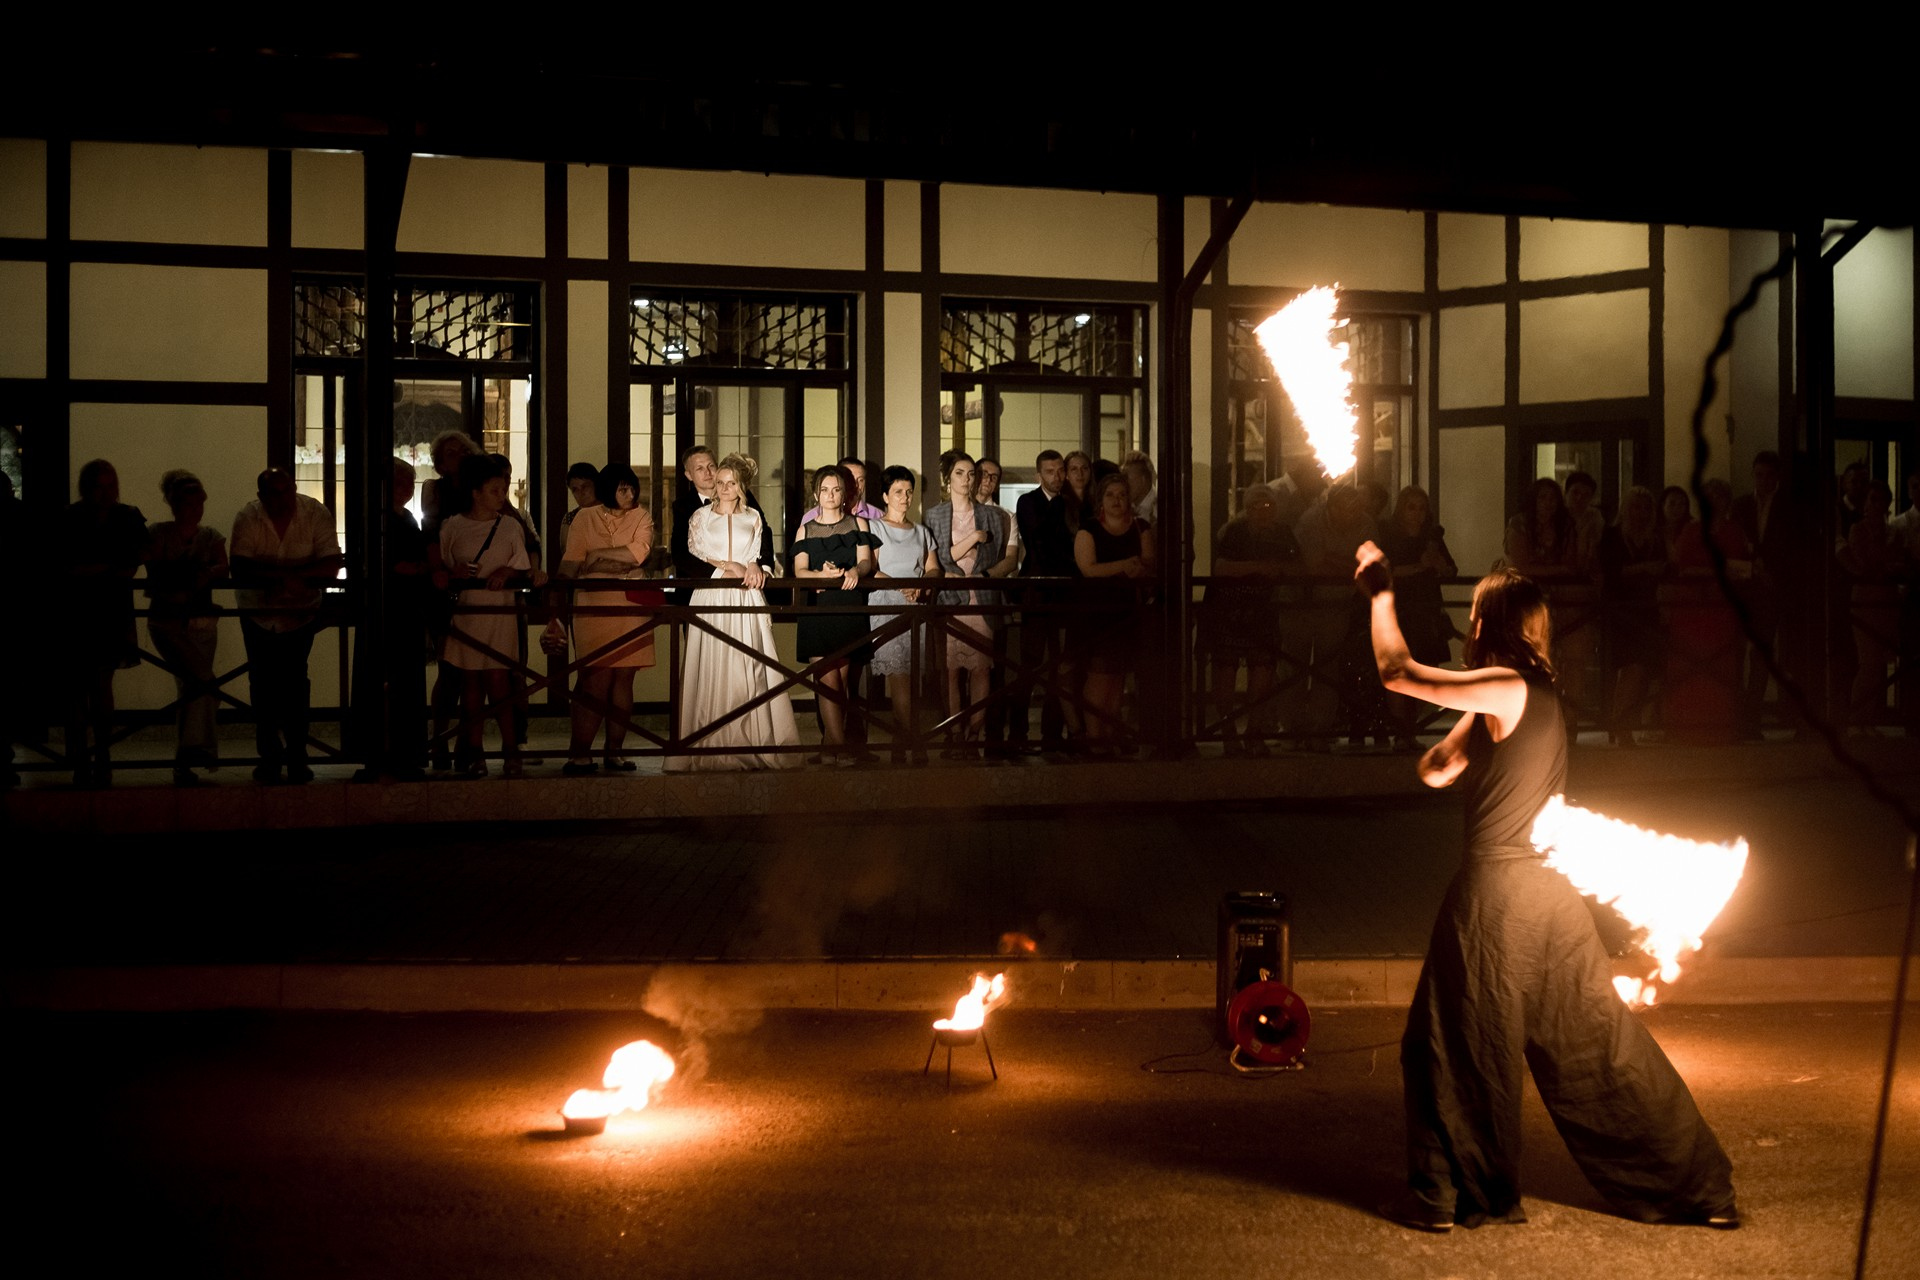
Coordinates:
718 679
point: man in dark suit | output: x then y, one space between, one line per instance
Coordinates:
1047 539
699 469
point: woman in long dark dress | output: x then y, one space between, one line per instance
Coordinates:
837 547
1516 977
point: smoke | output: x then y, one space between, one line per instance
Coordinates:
688 1002
803 896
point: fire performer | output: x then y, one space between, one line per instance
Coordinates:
1515 972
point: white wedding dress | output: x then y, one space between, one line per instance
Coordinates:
718 679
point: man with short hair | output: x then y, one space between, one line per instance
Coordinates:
102 542
284 548
581 477
699 470
857 503
1041 517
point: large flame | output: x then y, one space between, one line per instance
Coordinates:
970 1012
1313 368
1668 888
636 1071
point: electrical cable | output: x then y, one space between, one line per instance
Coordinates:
1836 746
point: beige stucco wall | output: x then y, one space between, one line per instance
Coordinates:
746 219
904 425
23 188
1473 250
1551 248
586 211
328 200
1472 470
1585 347
1301 245
1697 281
188 195
1472 367
195 323
1873 317
23 319
473 206
587 371
900 216
1020 231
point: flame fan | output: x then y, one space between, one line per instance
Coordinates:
1269 1025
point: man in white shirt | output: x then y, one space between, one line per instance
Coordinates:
284 547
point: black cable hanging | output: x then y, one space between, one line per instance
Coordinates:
1836 746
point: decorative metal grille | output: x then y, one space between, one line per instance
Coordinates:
1246 362
1070 339
739 331
330 319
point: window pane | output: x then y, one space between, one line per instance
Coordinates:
749 420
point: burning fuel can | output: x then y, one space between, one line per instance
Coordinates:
1256 945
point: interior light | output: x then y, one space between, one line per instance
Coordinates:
1083 319
641 304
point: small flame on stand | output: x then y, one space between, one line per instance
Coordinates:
970 1012
637 1070
1313 368
1670 889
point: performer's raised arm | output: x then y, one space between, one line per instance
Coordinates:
1496 692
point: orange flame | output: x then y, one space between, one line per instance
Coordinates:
1313 369
636 1072
1670 889
970 1011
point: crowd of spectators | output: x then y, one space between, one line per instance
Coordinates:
1642 633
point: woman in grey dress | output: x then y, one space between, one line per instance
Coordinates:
906 551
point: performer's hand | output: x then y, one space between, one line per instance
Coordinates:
1373 572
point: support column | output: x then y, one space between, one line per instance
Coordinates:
1813 297
384 188
1173 407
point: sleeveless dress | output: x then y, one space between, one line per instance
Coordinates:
719 678
461 540
822 632
902 554
1113 629
970 642
1516 978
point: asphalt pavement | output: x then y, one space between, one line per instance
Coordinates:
809 1144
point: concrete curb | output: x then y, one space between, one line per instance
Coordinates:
928 984
648 797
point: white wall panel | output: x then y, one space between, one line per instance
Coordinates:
1301 245
1586 347
189 195
329 202
747 219
1022 232
1552 248
1473 250
1696 288
474 206
1473 356
1873 317
193 323
587 371
23 188
23 319
1472 479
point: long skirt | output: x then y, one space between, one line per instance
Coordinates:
1515 979
189 645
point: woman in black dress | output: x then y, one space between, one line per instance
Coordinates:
1516 977
837 547
1113 545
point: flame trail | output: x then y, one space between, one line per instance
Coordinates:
970 1012
636 1071
1670 889
1314 370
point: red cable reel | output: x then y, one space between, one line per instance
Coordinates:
1269 1024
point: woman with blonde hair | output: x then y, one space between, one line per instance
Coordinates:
1516 977
718 677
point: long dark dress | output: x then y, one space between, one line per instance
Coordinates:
1516 978
821 632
